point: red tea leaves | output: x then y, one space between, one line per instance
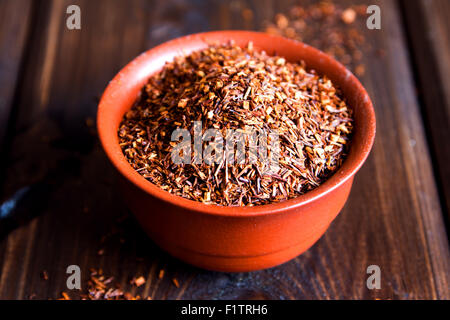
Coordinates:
228 87
327 26
139 281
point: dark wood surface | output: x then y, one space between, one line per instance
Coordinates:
62 188
428 22
14 26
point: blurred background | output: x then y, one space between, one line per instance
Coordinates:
59 205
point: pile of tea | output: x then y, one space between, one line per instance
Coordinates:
234 126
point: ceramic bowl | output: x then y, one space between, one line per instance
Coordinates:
234 239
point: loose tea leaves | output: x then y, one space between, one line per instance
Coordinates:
226 87
327 26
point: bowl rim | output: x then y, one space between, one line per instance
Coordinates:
115 155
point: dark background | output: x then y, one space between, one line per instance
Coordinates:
57 189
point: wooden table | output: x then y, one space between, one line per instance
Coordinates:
61 187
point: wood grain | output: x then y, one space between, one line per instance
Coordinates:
71 209
429 29
15 19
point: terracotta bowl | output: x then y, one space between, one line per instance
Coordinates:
234 238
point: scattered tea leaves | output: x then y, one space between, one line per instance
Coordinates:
328 26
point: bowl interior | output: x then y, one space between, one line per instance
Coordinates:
123 90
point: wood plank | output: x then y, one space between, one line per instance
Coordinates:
15 23
392 219
68 71
15 17
427 21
